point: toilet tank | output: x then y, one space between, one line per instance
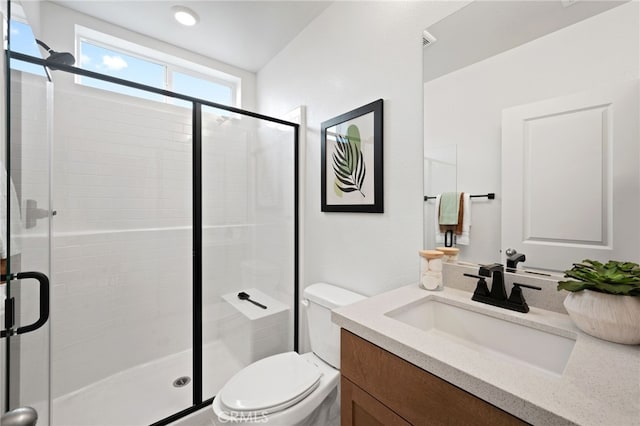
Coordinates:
324 335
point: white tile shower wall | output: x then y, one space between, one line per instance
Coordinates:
122 235
119 165
225 179
29 141
121 298
122 240
271 269
238 193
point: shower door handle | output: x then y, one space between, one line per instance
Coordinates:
9 313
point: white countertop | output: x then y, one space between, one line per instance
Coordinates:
599 386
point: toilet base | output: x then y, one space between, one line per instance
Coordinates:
320 408
327 414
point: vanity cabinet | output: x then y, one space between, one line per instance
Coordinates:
379 388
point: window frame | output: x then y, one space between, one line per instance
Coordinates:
169 62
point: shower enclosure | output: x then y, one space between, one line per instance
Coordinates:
148 218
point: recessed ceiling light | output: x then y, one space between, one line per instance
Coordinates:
185 16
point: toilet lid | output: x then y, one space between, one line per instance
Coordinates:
270 385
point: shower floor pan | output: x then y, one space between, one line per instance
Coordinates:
144 394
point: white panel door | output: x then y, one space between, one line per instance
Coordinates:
571 178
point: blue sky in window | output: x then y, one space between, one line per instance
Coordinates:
120 65
23 41
202 89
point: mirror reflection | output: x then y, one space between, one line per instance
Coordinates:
539 100
440 174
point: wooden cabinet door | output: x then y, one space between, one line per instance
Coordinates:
361 409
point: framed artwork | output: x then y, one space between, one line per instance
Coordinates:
351 160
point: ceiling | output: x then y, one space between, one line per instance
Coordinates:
245 34
492 27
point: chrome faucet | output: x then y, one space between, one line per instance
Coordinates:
497 296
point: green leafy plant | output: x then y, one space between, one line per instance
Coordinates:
348 164
613 277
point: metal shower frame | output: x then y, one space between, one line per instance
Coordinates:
197 103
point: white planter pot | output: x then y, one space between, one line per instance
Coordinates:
607 316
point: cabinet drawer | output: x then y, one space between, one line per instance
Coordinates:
361 409
416 395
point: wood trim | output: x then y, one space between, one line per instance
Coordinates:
420 397
361 409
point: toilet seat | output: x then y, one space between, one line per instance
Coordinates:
270 385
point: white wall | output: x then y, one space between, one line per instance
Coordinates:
464 107
353 54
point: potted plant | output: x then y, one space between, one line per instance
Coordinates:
604 299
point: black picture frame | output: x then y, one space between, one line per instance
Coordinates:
351 161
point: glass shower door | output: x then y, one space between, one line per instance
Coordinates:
26 246
121 321
248 243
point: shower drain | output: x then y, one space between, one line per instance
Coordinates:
181 381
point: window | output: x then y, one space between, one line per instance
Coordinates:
117 64
23 41
122 59
200 88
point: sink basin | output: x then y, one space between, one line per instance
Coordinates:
487 334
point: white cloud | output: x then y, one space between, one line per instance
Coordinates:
84 60
114 63
15 31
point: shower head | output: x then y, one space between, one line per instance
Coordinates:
57 58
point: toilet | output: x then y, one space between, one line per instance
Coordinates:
290 388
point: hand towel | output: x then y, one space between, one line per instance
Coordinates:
458 229
449 204
438 233
463 238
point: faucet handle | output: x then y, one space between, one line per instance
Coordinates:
473 276
517 298
488 270
481 288
533 287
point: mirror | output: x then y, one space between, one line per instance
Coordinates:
440 175
492 57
